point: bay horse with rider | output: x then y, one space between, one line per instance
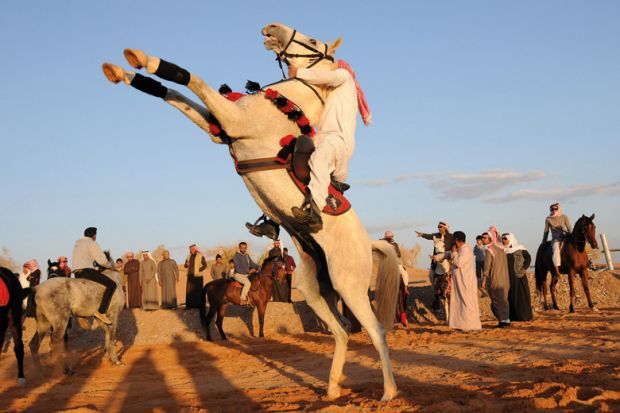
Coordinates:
222 292
574 260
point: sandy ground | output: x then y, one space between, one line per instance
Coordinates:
558 362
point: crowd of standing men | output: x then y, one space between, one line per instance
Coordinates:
145 280
496 266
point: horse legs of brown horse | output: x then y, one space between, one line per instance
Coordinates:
586 288
220 318
209 317
571 284
554 281
542 295
261 307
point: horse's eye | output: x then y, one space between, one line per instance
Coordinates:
314 42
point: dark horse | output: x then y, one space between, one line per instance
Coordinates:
11 316
224 291
574 261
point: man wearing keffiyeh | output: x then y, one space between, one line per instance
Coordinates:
335 138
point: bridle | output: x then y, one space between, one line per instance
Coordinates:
283 56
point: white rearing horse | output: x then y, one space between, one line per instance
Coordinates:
339 257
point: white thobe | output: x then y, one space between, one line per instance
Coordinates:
335 138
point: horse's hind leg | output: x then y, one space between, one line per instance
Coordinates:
308 285
43 327
357 300
207 325
57 340
219 321
554 281
586 288
18 343
261 318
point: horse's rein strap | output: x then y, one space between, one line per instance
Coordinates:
283 55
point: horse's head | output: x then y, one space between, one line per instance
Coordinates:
296 48
589 230
53 269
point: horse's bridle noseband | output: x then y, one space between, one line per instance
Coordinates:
283 56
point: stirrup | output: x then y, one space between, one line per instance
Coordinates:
267 228
308 215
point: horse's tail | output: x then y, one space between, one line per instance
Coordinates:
388 280
540 268
203 306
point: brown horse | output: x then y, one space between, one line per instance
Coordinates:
574 261
222 292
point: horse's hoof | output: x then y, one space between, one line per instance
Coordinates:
389 395
118 363
593 308
21 381
333 392
136 58
113 73
555 307
571 310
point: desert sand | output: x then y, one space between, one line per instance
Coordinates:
558 362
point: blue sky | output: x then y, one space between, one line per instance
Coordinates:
484 113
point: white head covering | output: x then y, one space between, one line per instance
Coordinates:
513 244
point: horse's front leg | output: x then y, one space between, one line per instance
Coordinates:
110 341
194 111
226 112
584 281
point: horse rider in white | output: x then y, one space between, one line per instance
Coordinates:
85 254
560 227
334 141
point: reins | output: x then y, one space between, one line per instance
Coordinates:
284 56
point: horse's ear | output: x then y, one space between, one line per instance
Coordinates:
49 262
592 217
335 45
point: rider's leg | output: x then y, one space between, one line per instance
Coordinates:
110 288
243 279
556 257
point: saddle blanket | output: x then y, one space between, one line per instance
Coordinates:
4 293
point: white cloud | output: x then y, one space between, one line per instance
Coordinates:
561 194
459 185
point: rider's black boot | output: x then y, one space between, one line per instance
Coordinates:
267 228
309 215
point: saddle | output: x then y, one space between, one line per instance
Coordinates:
296 151
253 285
